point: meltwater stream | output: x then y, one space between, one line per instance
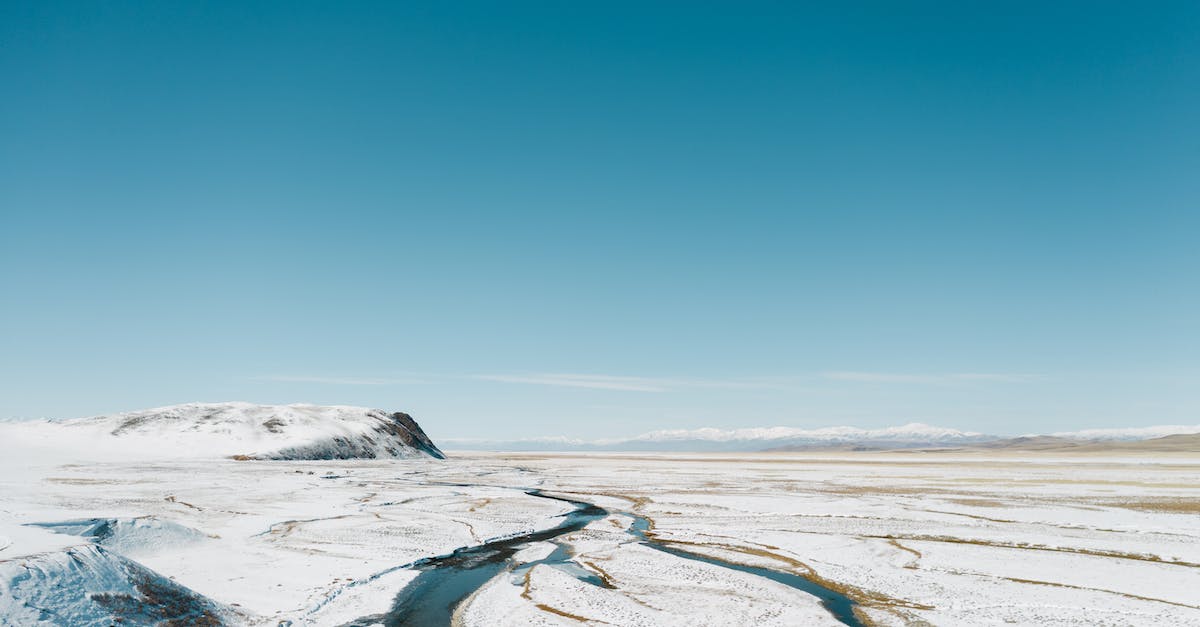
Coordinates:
444 582
838 604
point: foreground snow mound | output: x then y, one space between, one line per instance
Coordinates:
87 585
239 430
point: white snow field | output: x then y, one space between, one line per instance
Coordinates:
89 538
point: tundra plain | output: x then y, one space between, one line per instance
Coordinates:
898 538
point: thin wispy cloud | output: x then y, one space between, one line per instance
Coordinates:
600 382
339 380
940 378
623 383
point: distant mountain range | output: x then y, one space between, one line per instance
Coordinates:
910 436
248 431
1175 443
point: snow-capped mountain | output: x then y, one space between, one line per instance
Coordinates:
912 435
1130 433
911 431
239 430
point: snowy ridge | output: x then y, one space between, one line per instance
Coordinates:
710 439
914 430
912 435
240 430
1130 433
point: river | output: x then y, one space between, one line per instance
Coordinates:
445 581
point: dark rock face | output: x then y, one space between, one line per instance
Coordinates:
160 601
394 435
408 431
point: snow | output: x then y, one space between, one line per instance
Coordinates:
709 438
1001 538
210 430
19 540
911 431
88 585
949 540
1131 433
145 535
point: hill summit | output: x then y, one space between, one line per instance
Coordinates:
249 431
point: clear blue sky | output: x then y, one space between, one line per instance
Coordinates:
597 219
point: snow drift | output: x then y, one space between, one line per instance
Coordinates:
128 536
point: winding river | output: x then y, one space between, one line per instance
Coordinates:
445 581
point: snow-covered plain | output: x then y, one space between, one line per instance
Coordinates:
943 539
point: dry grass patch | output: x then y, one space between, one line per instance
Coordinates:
1141 557
1162 505
1123 594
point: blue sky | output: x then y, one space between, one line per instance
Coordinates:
522 219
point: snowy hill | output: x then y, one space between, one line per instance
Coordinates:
239 430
